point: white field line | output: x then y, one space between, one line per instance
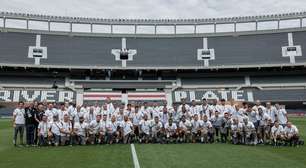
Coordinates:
134 155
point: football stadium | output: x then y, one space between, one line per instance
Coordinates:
93 92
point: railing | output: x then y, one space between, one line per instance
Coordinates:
152 26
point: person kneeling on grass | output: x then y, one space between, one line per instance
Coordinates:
277 134
144 129
157 130
171 131
66 130
197 129
80 129
249 132
56 130
127 130
291 134
185 130
95 131
44 131
236 131
112 131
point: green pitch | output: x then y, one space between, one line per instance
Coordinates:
151 155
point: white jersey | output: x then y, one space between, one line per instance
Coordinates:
187 107
205 110
164 117
110 108
282 116
44 128
291 131
272 112
207 124
80 128
145 126
236 127
89 117
112 126
66 126
249 126
277 130
19 116
127 127
136 118
171 128
56 128
50 113
196 124
103 125
195 110
221 109
185 125
156 126
94 127
61 114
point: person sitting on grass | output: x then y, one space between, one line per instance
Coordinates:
44 131
291 134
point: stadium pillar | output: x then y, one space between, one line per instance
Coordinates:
4 22
79 97
168 93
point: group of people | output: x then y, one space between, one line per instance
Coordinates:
197 122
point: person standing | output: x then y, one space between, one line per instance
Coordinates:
18 122
30 122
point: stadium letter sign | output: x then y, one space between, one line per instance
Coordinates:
237 95
39 95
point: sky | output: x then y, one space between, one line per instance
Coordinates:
153 9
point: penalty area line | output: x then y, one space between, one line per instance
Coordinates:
135 158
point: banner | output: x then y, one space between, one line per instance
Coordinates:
37 95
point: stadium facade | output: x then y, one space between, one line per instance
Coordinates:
58 65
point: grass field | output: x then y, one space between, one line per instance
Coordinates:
151 155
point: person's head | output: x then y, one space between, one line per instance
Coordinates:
289 124
222 101
235 121
63 106
260 111
66 117
78 108
108 100
55 118
276 123
104 117
113 119
81 119
156 119
136 108
205 118
145 117
193 102
129 106
268 104
183 118
226 115
257 103
277 106
170 121
126 118
40 107
217 113
204 101
20 104
98 118
183 100
44 118
50 106
196 117
165 110
245 120
91 110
